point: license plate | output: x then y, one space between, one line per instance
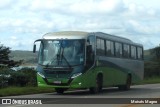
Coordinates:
57 82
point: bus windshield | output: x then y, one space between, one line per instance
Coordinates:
62 52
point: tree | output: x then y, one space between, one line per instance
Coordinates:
156 52
5 58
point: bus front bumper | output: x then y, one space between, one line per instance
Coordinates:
61 82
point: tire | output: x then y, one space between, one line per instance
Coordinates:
127 85
99 85
59 90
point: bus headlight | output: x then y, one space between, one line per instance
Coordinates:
40 74
76 75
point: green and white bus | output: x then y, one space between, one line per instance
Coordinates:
83 60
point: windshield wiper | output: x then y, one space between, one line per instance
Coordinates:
56 58
59 57
65 59
51 61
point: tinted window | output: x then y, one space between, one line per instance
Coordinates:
133 52
140 53
98 44
126 51
91 40
118 49
109 48
100 47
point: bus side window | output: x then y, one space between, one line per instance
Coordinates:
126 51
133 52
118 49
140 53
109 48
100 47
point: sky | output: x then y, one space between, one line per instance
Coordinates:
24 21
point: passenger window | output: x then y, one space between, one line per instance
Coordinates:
100 47
118 49
133 52
140 53
109 48
126 51
98 44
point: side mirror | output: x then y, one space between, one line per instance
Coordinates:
90 56
34 48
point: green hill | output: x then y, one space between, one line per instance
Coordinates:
29 57
147 55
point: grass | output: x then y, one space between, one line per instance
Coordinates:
151 80
11 91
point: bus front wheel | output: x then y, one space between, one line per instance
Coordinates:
59 90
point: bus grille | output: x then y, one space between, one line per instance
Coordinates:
58 70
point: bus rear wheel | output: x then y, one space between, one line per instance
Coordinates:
59 90
127 85
98 87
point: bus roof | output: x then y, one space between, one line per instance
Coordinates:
116 38
66 35
83 35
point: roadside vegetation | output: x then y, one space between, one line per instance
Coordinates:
151 73
152 66
151 80
13 91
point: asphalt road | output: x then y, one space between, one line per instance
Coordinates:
141 92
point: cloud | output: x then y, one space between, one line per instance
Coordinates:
134 10
47 15
42 5
18 42
96 6
5 3
143 28
28 20
77 6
